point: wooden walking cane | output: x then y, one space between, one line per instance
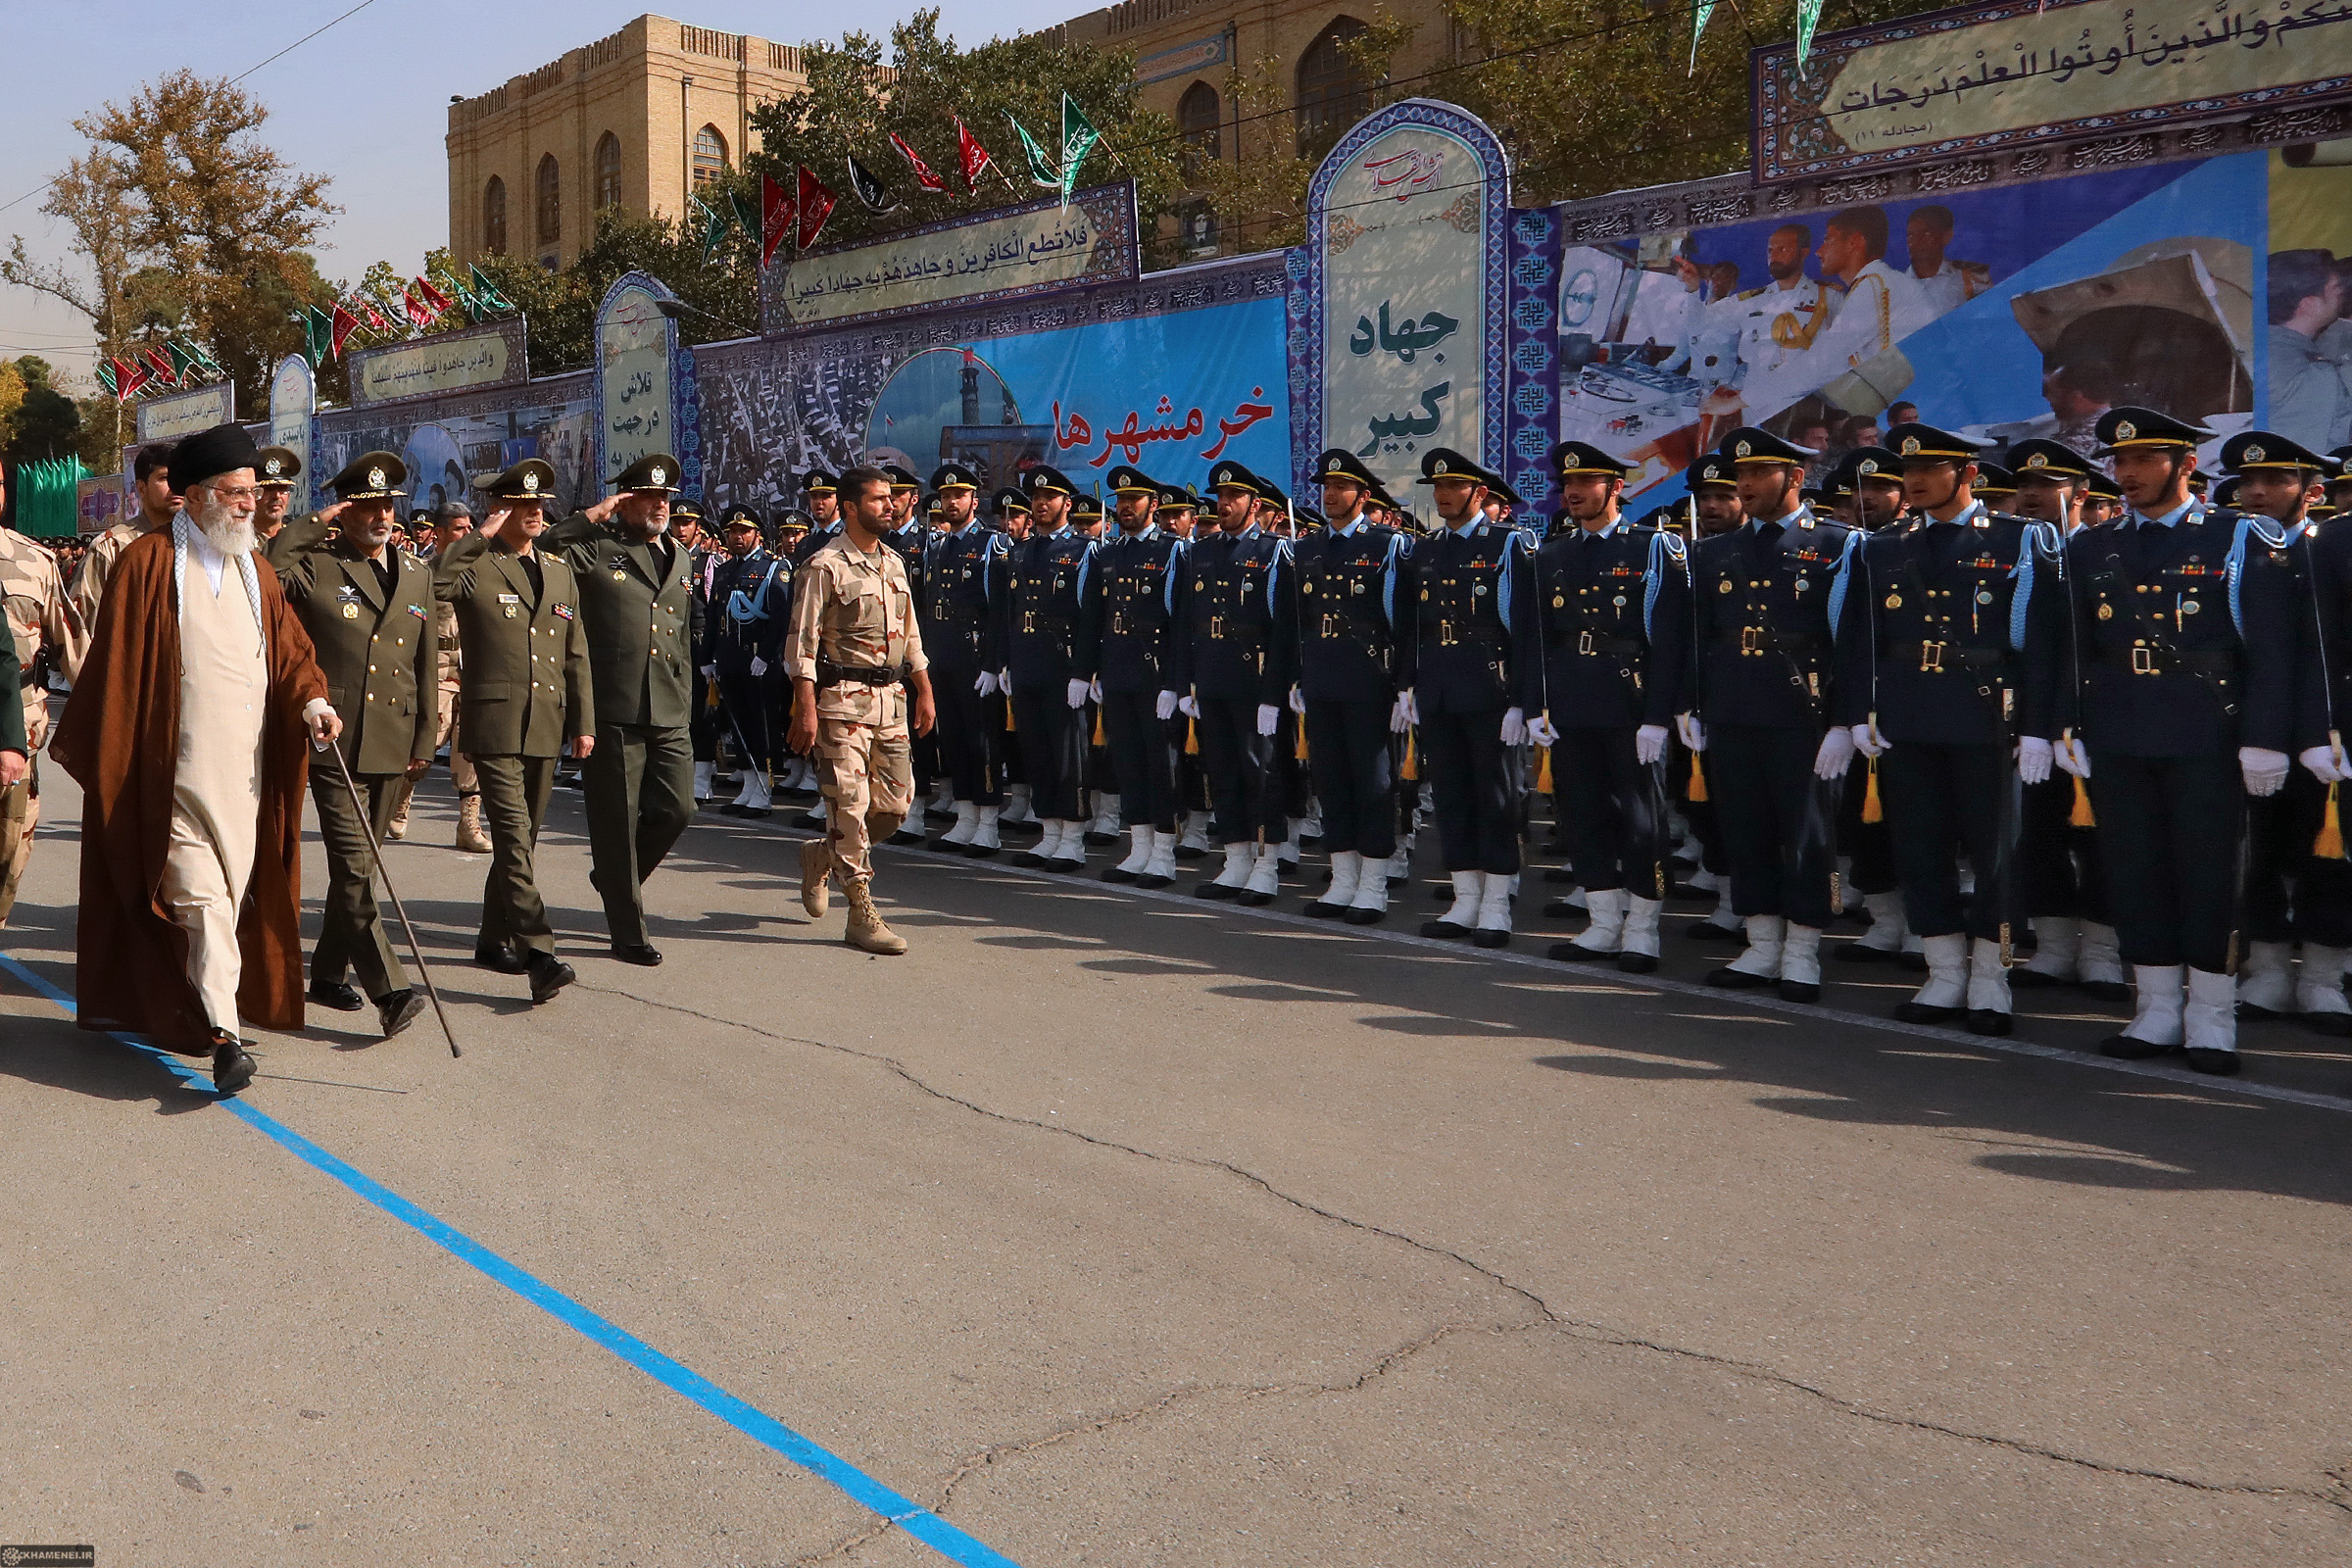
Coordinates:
376 852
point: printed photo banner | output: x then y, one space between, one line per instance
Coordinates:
492 355
451 443
2020 72
1039 247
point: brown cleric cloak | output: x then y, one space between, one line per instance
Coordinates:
119 740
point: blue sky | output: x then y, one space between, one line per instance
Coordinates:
367 102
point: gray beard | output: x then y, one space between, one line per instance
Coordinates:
227 532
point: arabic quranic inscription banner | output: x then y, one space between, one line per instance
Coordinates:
1402 234
634 346
293 399
481 357
183 413
1957 81
1009 254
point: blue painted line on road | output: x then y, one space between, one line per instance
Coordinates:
861 1487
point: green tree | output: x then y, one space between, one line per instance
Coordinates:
43 421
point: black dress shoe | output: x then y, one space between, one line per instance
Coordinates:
1444 929
979 851
732 809
1186 851
1709 931
1360 916
1856 953
502 958
1916 962
548 975
2338 1024
2219 1063
1637 963
2130 1048
1562 909
2106 990
750 812
1098 840
1570 952
1252 898
1112 873
1923 1013
398 1010
641 953
1993 1025
1215 889
1151 880
1728 978
1800 990
1485 937
1029 860
2033 980
232 1066
1316 909
340 996
909 836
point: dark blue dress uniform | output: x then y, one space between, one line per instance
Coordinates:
1614 603
1474 655
1350 578
1766 603
1034 596
1126 635
1954 646
2187 628
1233 653
958 568
750 610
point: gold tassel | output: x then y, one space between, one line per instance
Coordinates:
1544 771
1099 726
1410 770
2082 816
1302 742
1192 737
2329 845
1872 810
1697 794
1008 712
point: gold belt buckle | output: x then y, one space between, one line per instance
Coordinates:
1028 622
1752 639
1584 641
1930 659
1216 627
1331 625
2143 659
1445 636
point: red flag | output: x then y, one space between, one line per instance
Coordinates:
130 375
922 170
162 365
435 301
816 204
777 213
372 316
345 324
419 313
971 153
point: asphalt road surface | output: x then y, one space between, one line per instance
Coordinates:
1108 1228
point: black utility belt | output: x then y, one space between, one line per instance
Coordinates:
829 673
1941 659
1034 622
957 618
1451 633
1594 644
2141 660
1127 623
1332 625
1764 640
1236 628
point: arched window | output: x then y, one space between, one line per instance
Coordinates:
494 216
1200 116
608 171
550 201
709 155
1334 92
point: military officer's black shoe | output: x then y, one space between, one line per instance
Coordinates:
548 975
643 953
2221 1063
233 1067
1728 978
1927 1013
398 1010
1985 1021
1485 937
1560 910
2131 1047
1113 873
498 956
340 996
910 836
1215 889
1445 929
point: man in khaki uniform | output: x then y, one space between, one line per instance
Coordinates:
47 634
159 504
453 520
854 655
368 608
274 482
525 698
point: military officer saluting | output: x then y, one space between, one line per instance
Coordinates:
273 479
744 619
958 562
1126 631
525 694
1351 576
1952 675
1766 604
642 627
1474 674
1613 600
368 608
1232 676
2187 618
1036 605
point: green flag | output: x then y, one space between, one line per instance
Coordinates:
1041 167
715 225
1701 11
746 213
1808 18
1078 139
320 329
204 357
183 361
106 375
487 292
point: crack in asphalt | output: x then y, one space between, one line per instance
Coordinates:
1546 1316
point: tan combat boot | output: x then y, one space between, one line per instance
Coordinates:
471 840
865 927
817 863
398 827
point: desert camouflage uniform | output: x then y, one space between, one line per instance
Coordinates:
856 611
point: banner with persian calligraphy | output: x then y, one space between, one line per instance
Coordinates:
636 371
483 356
293 400
183 413
2021 72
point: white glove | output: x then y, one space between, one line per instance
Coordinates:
1077 693
1269 715
1692 732
759 667
1515 726
710 672
1189 706
1543 731
1869 742
1406 714
2264 768
2033 757
1649 744
1837 752
2326 763
2071 757
1165 708
1297 702
986 685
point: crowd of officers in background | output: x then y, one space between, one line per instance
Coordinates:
2068 722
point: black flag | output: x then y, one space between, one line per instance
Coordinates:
869 188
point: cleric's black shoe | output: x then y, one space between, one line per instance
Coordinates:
2130 1048
340 996
2219 1063
548 975
1985 1021
233 1067
497 955
641 953
397 1010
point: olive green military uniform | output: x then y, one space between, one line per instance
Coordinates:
376 646
47 634
525 694
643 623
